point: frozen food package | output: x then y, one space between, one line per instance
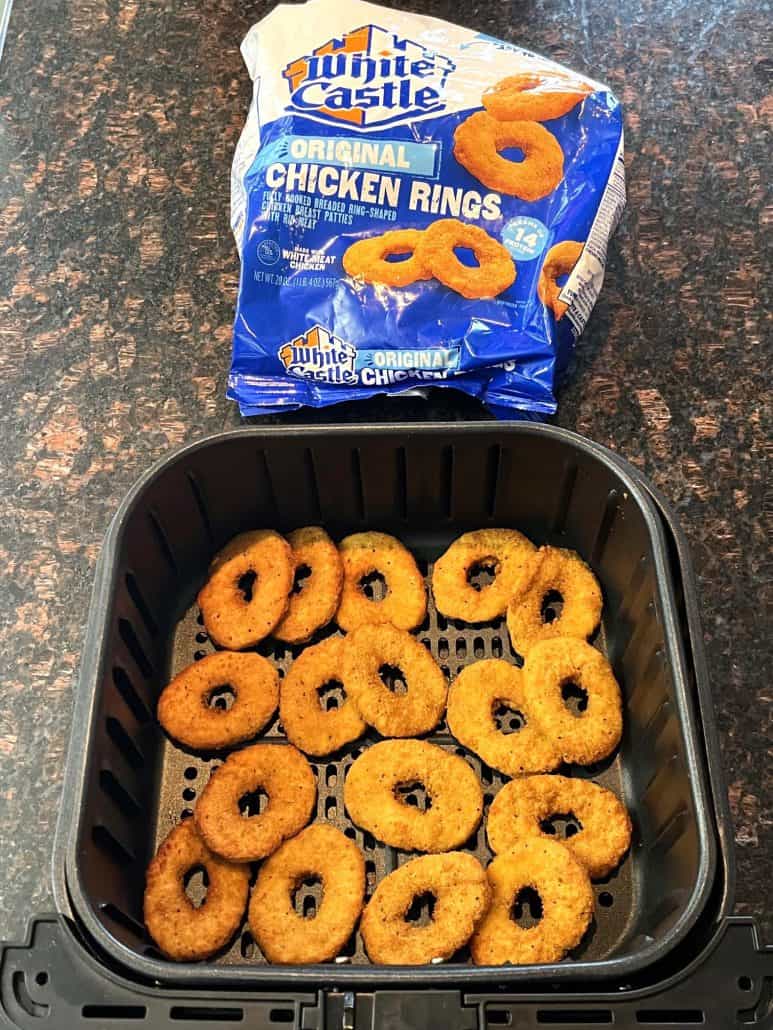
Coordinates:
414 204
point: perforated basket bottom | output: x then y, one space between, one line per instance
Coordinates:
454 645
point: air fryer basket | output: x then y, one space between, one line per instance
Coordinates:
128 784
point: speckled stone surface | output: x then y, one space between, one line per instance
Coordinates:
118 119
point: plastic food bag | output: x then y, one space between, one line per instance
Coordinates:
414 203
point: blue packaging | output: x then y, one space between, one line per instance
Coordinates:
352 134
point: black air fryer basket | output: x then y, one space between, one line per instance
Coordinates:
126 784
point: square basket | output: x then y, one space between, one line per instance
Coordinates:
127 784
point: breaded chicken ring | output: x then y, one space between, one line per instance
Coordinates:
458 884
553 570
522 805
534 96
185 708
310 727
453 788
182 931
371 649
248 589
367 259
319 852
566 895
473 698
592 734
286 777
559 260
479 139
317 602
506 552
405 603
496 268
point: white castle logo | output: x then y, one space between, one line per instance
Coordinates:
318 354
368 77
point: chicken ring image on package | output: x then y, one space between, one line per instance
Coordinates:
407 198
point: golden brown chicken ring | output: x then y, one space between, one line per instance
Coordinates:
368 259
473 697
586 736
553 570
372 801
248 589
316 603
559 260
505 552
405 601
522 805
566 896
311 728
182 931
459 887
494 273
185 707
479 139
534 96
286 777
319 852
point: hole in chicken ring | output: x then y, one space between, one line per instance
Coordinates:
279 770
563 911
189 708
593 730
315 601
561 576
248 589
320 853
479 139
534 96
373 801
183 931
456 889
523 807
368 259
559 260
496 268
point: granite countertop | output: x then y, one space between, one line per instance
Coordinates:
118 121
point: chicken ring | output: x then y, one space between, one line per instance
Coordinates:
368 259
559 260
187 712
495 270
248 589
474 697
566 897
521 806
456 887
183 931
373 802
552 667
505 552
366 554
553 571
323 854
534 96
479 139
308 725
317 601
283 774
370 653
